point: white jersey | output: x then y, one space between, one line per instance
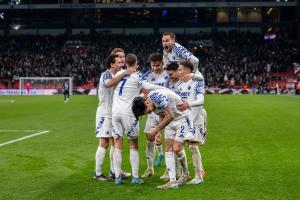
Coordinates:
156 79
164 98
105 94
127 90
178 54
190 91
173 85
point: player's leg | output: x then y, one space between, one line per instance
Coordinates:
117 134
68 95
182 158
159 149
65 96
197 162
150 148
204 127
170 164
103 132
124 174
170 158
134 161
183 127
131 126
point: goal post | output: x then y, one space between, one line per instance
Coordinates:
44 83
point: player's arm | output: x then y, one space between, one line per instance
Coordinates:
194 76
114 81
150 86
164 119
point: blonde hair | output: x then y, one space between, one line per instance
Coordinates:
116 50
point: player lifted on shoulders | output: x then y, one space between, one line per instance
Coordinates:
174 52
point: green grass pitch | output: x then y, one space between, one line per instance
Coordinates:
252 151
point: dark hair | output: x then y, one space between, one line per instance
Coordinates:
111 59
188 65
172 35
138 106
172 66
131 59
155 57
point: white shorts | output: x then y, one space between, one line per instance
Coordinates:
103 126
200 127
177 129
124 124
152 122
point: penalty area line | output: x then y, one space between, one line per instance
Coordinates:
24 138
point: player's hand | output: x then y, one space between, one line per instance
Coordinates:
145 92
158 138
186 77
151 134
183 106
129 71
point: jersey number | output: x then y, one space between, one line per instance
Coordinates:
122 86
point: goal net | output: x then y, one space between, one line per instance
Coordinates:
38 85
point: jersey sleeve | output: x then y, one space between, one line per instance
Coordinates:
160 100
145 75
185 54
199 87
199 94
106 76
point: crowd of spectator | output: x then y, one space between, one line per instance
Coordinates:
234 59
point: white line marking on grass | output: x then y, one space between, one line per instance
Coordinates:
24 138
293 96
7 101
21 130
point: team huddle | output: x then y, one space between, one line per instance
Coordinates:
171 94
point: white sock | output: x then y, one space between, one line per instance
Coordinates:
183 161
170 163
117 158
99 157
159 149
111 155
196 156
134 161
150 154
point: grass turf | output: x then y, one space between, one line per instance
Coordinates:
252 151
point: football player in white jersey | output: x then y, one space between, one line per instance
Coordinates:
192 93
121 54
124 121
158 76
163 102
174 52
104 111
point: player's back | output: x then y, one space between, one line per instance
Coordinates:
105 94
126 90
165 97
